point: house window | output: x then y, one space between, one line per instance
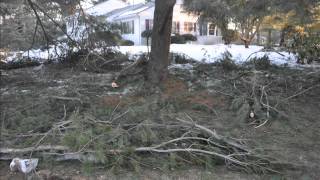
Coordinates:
176 27
20 27
149 24
189 27
212 29
127 27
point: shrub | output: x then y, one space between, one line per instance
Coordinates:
177 39
262 63
126 43
181 59
102 34
146 34
189 37
307 47
19 63
229 36
226 62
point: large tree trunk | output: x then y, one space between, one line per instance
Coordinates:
160 46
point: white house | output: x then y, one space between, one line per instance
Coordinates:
136 18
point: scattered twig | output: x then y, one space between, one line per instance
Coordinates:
300 93
67 98
265 122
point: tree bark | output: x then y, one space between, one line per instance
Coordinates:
258 38
269 38
160 46
246 44
283 34
247 37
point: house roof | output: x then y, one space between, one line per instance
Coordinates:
135 10
106 7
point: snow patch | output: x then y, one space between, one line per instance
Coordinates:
212 53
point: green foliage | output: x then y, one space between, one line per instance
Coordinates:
17 31
75 140
87 167
245 14
306 47
126 43
102 34
146 34
189 37
229 36
226 62
19 63
182 39
173 161
177 39
181 59
262 63
241 106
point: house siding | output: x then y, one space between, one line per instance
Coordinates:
188 23
135 37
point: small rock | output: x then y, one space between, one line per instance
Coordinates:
114 85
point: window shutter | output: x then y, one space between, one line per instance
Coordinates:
132 27
147 24
178 27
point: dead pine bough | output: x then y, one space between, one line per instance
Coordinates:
196 142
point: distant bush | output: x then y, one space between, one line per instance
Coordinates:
146 34
307 47
262 63
126 43
181 59
178 39
182 39
101 34
226 62
19 63
229 36
189 37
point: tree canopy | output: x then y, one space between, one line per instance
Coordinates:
247 16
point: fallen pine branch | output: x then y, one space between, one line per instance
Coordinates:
231 151
30 149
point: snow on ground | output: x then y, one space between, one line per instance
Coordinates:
201 53
212 53
54 52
